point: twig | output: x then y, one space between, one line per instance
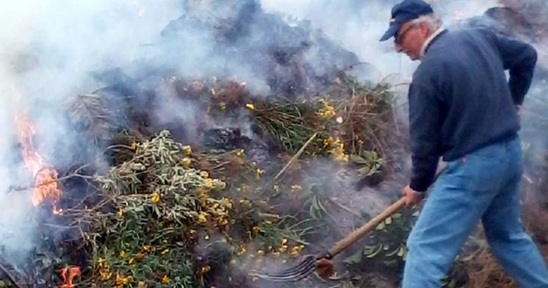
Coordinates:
73 174
295 157
340 205
295 239
270 216
10 276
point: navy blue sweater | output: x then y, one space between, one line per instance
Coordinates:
460 98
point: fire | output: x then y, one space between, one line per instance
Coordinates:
45 183
68 274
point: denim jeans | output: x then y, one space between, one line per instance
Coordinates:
482 185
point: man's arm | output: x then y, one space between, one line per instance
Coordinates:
425 133
520 59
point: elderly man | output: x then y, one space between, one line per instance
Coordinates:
462 108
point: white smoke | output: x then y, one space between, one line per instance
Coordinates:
47 51
358 25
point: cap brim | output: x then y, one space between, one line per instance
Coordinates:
392 30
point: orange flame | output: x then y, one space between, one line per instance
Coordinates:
68 274
45 185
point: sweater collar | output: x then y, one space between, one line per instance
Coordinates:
429 41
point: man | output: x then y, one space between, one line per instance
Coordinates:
462 108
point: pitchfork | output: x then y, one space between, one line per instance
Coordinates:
311 262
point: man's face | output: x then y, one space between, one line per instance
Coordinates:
410 39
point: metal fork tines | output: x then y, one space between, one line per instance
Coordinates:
299 272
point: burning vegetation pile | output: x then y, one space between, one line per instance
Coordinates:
242 180
170 214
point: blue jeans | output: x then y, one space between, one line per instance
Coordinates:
482 185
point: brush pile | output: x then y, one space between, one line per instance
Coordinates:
169 214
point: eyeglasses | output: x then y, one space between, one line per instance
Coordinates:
399 37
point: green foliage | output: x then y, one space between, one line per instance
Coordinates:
385 246
153 209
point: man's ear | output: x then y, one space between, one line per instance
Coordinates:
425 30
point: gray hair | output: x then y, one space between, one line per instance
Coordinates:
433 21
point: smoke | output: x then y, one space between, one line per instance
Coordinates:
358 25
48 53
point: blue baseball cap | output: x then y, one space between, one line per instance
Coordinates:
403 12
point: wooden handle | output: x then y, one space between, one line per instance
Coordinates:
367 227
371 224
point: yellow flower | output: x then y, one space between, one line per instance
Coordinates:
208 183
165 251
240 153
155 197
222 105
328 142
165 279
223 222
250 106
206 269
259 173
131 261
296 250
338 152
146 248
105 274
327 111
256 229
202 196
202 218
241 251
120 212
121 280
133 145
187 149
227 203
260 253
186 162
122 254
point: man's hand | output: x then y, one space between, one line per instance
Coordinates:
412 197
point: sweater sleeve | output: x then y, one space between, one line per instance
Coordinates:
425 132
520 59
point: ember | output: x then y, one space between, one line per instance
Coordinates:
67 275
